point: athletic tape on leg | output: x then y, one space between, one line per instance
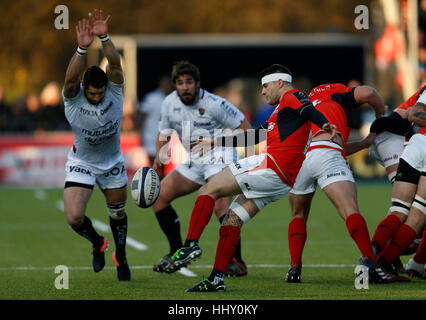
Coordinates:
240 211
400 206
115 208
419 203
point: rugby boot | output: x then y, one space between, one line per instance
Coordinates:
123 270
183 256
415 270
236 268
294 274
375 273
208 286
391 274
98 260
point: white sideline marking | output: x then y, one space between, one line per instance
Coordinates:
261 266
130 241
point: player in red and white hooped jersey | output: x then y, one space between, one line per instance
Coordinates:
257 180
326 165
409 190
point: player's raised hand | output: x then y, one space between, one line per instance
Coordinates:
99 25
84 33
331 129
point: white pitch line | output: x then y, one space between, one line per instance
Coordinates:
130 241
260 266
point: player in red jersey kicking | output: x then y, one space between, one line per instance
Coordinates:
257 180
326 165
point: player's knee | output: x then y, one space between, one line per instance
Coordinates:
208 190
116 210
74 220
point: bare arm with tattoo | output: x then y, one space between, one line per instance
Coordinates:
417 114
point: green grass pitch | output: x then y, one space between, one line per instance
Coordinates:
35 238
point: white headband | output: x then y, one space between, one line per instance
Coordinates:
276 76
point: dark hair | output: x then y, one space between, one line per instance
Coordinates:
95 77
185 67
275 68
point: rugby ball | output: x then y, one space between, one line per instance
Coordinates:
145 187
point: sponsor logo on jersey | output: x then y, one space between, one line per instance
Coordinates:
228 109
102 133
86 112
302 97
202 124
104 111
271 126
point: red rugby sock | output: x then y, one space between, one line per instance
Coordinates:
386 230
359 232
200 217
228 242
420 256
403 238
296 239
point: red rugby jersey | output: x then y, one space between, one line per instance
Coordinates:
336 101
411 101
288 135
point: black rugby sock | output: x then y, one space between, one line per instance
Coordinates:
170 224
119 231
87 231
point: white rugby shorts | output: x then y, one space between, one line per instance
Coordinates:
81 172
415 152
387 148
259 183
200 169
322 166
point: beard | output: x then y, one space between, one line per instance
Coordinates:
189 99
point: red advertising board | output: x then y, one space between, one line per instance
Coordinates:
39 159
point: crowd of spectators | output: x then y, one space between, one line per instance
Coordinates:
44 112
